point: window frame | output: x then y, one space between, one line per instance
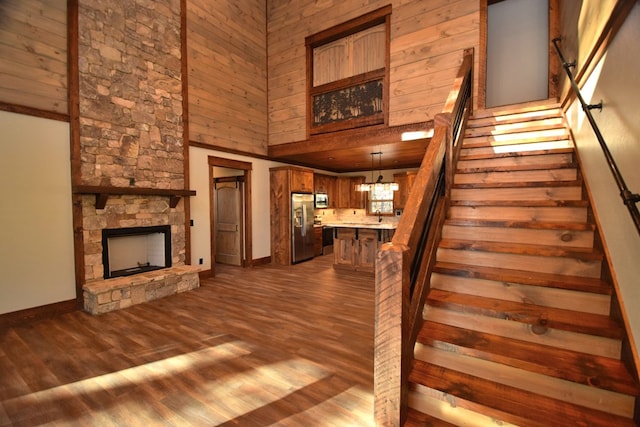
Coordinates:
353 26
369 209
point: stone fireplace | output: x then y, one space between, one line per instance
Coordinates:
130 162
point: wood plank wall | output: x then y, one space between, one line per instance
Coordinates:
427 40
227 62
33 48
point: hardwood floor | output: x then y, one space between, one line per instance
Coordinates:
271 345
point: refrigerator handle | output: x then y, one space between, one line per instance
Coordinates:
304 221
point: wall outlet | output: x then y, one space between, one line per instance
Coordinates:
201 261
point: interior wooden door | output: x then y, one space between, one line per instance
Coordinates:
228 221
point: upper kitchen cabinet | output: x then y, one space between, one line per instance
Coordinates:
405 182
301 180
347 196
326 184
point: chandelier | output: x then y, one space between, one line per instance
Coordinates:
378 185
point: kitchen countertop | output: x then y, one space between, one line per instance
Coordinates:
371 225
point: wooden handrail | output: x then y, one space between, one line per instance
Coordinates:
403 266
628 198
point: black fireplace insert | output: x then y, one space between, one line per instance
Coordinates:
134 250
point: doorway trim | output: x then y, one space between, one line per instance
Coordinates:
247 260
554 62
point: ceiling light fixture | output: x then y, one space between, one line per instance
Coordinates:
378 185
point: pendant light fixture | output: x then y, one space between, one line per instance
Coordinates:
378 184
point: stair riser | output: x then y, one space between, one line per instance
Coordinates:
512 194
507 213
549 161
547 297
566 238
599 346
534 263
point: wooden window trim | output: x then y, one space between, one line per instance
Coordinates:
371 19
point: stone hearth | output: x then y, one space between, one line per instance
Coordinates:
102 296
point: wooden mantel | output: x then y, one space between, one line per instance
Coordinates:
102 193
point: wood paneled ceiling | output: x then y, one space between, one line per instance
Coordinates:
402 147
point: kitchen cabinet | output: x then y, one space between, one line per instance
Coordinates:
405 182
317 241
326 184
301 180
355 248
282 182
344 247
348 197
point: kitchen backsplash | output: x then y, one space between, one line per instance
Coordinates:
350 215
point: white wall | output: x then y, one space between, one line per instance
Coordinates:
616 82
36 226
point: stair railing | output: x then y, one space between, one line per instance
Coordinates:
630 199
403 266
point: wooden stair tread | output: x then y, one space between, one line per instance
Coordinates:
483 118
523 167
542 225
533 184
418 419
516 138
541 410
505 111
586 254
575 283
522 203
587 369
493 129
539 317
477 154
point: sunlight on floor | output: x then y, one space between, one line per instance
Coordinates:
342 416
147 394
144 373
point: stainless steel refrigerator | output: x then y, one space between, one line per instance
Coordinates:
301 227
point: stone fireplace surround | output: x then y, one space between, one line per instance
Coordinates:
130 145
126 211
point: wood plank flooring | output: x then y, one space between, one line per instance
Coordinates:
270 345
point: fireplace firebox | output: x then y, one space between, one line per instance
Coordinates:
133 250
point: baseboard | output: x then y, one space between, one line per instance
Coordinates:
204 274
37 313
261 261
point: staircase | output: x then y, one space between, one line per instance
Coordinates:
518 326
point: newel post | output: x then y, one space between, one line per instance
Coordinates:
391 364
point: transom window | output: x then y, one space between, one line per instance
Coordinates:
347 79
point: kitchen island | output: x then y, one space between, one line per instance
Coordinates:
355 244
